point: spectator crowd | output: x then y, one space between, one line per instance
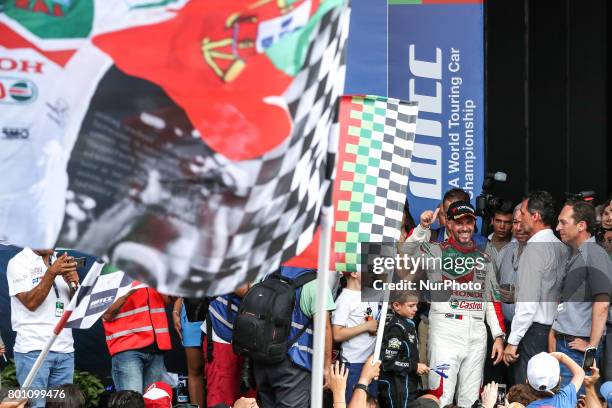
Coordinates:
530 329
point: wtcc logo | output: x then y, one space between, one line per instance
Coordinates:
101 302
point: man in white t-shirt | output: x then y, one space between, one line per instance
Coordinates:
40 291
354 325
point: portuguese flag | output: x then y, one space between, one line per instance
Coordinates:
227 64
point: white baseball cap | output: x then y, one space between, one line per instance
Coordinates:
543 372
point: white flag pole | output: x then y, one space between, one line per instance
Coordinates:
320 316
382 319
94 271
381 329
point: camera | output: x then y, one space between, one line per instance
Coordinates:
588 196
80 262
487 203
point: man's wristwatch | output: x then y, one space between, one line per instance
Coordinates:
360 386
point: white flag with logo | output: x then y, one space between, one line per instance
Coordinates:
94 298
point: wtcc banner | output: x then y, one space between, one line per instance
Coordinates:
436 58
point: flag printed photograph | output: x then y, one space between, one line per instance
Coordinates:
175 159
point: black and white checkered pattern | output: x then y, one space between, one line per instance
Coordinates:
288 185
96 297
392 174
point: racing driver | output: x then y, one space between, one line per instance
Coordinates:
457 332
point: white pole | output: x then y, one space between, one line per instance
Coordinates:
39 361
382 319
320 316
94 271
380 330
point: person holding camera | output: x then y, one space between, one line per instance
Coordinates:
40 286
582 311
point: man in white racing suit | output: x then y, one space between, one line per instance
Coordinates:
463 288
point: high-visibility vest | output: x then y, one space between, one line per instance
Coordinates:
141 321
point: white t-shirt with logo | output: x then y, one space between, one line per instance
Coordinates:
42 106
24 271
350 312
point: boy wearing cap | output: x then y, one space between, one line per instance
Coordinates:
544 376
457 331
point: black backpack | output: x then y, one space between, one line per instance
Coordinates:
196 309
261 330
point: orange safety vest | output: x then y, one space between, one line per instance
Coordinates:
141 321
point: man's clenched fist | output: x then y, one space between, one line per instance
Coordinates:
428 217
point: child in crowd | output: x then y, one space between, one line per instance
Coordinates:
354 325
398 381
543 375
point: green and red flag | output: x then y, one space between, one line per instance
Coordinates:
374 152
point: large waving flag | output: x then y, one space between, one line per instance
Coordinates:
199 159
375 147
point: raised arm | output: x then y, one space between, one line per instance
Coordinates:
421 232
33 298
575 369
418 240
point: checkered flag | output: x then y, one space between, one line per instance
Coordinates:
285 202
252 215
102 285
376 144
